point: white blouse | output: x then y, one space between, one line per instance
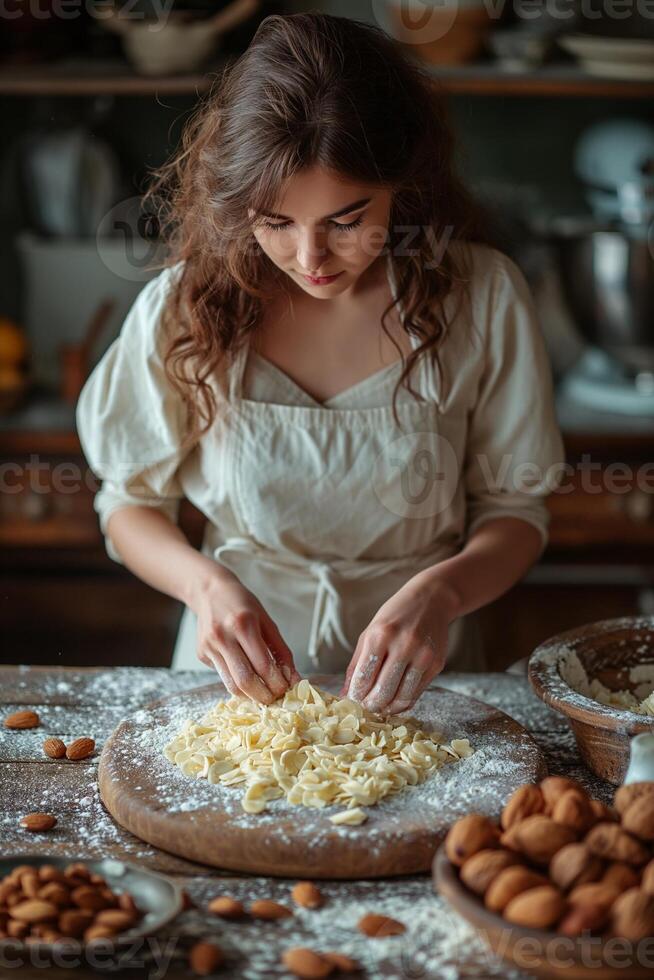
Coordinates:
494 410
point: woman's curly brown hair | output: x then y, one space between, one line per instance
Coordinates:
310 90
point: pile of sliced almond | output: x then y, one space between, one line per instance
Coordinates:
561 860
44 903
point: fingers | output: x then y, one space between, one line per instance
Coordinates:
217 661
409 663
211 658
242 672
344 691
389 679
280 651
418 676
367 667
411 687
248 633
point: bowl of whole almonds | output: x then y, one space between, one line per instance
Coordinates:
70 908
563 885
601 677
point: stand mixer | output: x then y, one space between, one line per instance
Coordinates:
606 266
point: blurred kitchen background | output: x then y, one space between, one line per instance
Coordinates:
554 109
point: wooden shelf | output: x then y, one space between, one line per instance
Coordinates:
115 77
563 79
100 77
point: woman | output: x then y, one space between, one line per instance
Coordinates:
338 369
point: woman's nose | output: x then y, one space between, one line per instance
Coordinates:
311 250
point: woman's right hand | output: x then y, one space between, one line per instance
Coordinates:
236 635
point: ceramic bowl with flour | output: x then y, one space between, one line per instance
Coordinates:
601 677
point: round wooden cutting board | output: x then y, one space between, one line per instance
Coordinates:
154 800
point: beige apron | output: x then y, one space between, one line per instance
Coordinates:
315 491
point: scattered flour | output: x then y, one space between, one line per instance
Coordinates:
501 761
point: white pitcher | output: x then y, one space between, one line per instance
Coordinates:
641 759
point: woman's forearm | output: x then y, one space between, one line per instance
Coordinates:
158 552
494 558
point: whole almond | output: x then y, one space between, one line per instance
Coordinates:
16 873
30 885
537 908
509 883
479 870
22 719
468 835
555 786
81 748
378 926
6 888
647 882
116 918
98 932
77 869
575 865
34 910
343 963
583 918
306 964
264 908
37 823
622 876
54 892
205 958
306 894
48 873
88 897
632 915
626 795
638 818
594 893
609 841
226 908
526 800
573 809
539 838
54 748
73 922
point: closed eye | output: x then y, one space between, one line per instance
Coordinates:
335 224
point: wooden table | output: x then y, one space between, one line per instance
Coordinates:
74 702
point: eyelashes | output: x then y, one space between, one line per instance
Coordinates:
348 227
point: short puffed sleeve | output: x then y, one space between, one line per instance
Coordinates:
515 453
130 420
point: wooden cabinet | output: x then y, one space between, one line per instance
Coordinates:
599 562
65 601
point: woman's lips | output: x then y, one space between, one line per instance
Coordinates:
321 280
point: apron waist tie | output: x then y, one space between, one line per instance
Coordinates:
327 617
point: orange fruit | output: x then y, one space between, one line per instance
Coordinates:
10 378
13 343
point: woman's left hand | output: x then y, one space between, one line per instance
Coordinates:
402 649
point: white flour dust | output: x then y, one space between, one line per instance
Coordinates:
483 781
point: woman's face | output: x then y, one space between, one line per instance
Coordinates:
324 226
